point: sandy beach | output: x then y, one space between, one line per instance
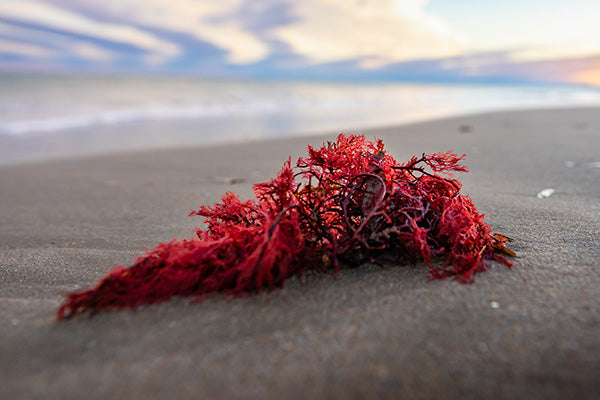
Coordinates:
532 332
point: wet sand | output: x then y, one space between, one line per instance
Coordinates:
530 332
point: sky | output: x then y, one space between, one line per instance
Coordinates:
481 41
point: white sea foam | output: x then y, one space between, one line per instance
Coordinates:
111 117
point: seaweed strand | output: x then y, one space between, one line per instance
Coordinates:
346 203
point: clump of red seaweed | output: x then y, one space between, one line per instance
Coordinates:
345 204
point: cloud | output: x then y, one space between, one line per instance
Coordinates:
376 32
512 66
557 51
354 39
23 49
49 16
90 51
208 21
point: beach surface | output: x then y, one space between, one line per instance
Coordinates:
532 331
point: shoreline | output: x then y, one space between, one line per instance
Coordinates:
177 134
528 332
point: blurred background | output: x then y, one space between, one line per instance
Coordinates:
82 77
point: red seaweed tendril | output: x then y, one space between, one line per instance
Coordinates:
346 203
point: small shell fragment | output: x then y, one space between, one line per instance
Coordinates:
545 193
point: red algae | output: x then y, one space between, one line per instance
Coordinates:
346 203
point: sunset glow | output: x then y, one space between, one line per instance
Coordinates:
588 77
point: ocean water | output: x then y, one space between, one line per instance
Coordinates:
43 116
